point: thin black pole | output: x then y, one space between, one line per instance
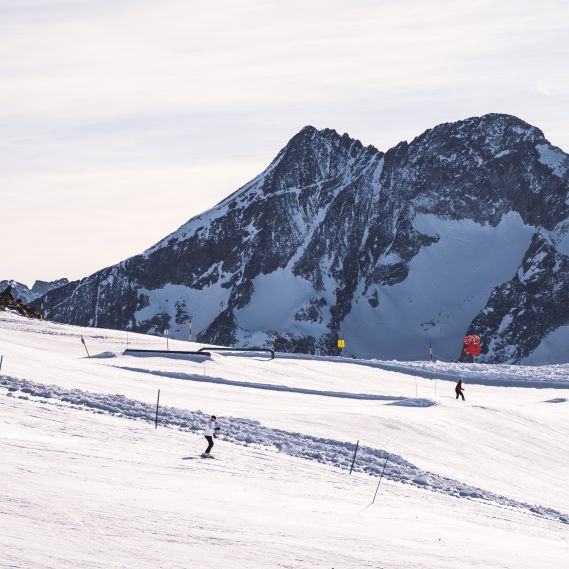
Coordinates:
386 459
354 459
1 360
85 345
157 404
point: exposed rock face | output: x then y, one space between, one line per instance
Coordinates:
40 288
454 232
524 310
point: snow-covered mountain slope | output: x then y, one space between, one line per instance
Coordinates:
26 294
83 465
462 230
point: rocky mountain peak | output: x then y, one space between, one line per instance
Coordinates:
489 135
40 288
482 138
395 250
313 156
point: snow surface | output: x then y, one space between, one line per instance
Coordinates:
552 349
202 305
270 311
265 311
86 480
554 158
425 303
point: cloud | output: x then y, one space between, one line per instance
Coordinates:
543 90
112 87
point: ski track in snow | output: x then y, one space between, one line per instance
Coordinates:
404 401
247 432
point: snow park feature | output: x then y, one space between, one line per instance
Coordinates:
86 480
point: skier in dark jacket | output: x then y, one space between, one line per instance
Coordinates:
459 390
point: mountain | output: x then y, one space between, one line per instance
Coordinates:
27 295
9 303
462 230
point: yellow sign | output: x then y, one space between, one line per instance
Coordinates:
341 343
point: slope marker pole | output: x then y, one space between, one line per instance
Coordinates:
157 404
354 459
85 345
386 459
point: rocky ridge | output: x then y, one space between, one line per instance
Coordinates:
337 239
25 294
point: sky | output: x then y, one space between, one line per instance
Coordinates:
122 119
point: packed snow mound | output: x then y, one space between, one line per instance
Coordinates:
104 355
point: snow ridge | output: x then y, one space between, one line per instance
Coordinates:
247 432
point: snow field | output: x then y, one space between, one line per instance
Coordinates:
514 428
419 310
494 457
376 462
86 490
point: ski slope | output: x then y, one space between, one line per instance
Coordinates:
87 481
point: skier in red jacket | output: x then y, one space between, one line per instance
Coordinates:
459 390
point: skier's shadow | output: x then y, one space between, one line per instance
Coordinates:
189 458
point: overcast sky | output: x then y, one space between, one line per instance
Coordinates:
122 119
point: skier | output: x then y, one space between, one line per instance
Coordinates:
459 390
210 432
